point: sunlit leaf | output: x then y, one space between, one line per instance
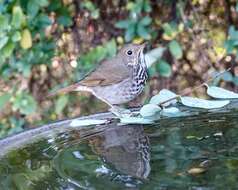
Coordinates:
175 49
26 40
135 120
217 92
201 103
149 110
61 103
154 55
164 68
163 96
17 17
86 122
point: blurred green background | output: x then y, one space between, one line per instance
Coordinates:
46 44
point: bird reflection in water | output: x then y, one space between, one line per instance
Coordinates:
126 148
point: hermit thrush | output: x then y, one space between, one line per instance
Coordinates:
117 80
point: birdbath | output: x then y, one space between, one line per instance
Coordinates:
198 151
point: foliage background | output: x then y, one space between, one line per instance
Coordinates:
47 44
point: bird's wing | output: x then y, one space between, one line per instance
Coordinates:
108 72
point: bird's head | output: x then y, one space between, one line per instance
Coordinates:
132 54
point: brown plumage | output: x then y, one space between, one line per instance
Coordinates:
116 80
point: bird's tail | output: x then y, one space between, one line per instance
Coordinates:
73 87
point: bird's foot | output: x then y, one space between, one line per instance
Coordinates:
120 112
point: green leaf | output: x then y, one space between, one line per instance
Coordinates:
147 7
61 103
227 76
4 99
145 21
175 49
153 55
201 103
235 80
143 32
8 49
163 96
43 3
123 24
86 122
65 20
130 32
17 17
111 48
233 33
25 103
149 110
217 92
3 22
32 8
16 36
169 29
3 41
164 68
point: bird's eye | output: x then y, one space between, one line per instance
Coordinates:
129 52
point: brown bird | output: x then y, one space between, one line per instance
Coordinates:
117 80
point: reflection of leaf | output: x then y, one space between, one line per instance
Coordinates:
149 110
61 103
201 103
135 120
87 122
175 49
217 92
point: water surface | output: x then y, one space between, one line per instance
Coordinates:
197 152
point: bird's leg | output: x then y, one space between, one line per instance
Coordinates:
116 110
119 111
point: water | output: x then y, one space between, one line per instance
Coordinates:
197 153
